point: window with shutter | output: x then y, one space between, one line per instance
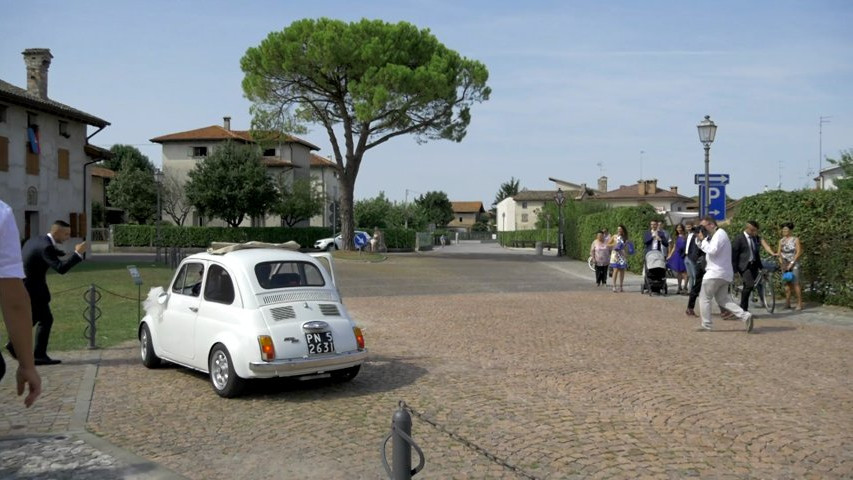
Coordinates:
32 161
4 154
63 167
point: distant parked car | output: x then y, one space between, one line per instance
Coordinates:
251 311
337 243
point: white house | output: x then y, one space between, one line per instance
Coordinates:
827 177
44 153
647 191
290 156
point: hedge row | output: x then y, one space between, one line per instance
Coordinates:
201 237
823 221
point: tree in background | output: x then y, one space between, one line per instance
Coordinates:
365 83
508 189
173 199
231 184
846 164
373 212
297 202
127 156
436 208
134 191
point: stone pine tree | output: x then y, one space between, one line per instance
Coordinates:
364 83
231 184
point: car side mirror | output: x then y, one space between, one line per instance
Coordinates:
162 298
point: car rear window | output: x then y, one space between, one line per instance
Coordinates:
275 275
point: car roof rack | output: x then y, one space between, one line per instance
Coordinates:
221 248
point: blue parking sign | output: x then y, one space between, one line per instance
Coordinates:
718 201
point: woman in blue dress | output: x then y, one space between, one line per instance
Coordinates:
618 259
675 259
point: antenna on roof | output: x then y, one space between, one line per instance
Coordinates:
600 168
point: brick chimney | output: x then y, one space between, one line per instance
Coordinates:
641 187
226 123
673 189
38 61
652 186
602 184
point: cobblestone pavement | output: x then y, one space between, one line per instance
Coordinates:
522 357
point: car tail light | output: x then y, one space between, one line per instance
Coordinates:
267 348
359 337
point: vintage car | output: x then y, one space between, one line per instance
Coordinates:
244 311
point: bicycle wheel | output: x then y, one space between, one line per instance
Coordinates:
591 263
735 288
768 293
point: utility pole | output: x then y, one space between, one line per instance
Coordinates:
823 120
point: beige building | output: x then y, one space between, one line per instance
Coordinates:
465 215
45 157
291 157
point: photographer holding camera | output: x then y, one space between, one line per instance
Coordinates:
718 273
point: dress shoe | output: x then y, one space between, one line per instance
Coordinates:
690 313
47 361
11 350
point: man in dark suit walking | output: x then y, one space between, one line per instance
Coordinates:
39 254
746 259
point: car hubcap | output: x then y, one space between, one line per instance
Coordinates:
144 341
219 370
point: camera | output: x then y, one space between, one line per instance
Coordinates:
695 229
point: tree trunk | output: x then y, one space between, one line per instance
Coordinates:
347 184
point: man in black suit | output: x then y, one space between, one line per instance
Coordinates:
39 254
746 259
655 238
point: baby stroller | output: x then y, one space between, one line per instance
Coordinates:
654 273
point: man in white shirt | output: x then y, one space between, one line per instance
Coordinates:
15 305
718 273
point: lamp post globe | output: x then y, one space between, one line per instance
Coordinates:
559 198
707 131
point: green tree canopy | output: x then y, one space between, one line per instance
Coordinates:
364 82
508 189
297 202
373 212
231 184
134 191
436 207
846 164
128 156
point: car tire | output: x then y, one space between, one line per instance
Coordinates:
146 348
330 247
346 374
223 378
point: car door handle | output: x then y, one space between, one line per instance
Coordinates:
194 309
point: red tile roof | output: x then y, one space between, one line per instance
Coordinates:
468 207
219 133
632 192
318 161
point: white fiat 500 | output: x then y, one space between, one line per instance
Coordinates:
252 311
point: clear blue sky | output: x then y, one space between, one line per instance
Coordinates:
579 88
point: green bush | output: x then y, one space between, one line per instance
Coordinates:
823 220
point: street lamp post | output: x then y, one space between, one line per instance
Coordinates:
158 179
707 131
559 198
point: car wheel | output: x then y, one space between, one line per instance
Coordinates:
330 247
224 380
346 374
146 348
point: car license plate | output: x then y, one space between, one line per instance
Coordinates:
320 343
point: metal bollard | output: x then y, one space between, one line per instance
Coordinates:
401 460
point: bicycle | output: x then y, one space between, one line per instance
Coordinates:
762 293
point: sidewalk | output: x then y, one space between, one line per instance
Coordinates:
50 441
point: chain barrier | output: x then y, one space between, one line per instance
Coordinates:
469 444
92 313
117 294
